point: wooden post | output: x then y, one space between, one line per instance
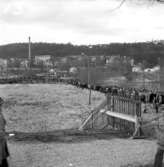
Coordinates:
138 130
113 119
92 120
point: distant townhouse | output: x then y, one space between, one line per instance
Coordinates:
44 59
24 63
3 64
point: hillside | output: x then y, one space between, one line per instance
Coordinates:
147 51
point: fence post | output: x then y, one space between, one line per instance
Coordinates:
113 109
109 104
138 130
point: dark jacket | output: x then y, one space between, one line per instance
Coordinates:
3 144
159 128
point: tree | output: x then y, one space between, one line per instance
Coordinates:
149 1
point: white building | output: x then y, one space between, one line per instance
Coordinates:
44 59
24 63
137 69
3 63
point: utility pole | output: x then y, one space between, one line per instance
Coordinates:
159 74
89 82
144 79
88 77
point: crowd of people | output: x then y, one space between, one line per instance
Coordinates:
146 97
155 97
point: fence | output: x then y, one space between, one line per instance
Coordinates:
118 112
124 113
96 120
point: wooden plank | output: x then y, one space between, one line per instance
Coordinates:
93 114
128 108
121 116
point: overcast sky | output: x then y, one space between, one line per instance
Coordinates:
80 21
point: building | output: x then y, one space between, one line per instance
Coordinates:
112 59
3 64
43 59
24 63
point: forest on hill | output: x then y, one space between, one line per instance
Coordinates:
147 52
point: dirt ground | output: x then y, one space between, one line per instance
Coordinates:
95 153
46 107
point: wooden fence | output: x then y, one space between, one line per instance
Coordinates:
96 120
124 113
118 112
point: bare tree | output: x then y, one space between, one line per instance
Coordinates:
149 1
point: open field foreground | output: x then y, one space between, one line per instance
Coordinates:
43 108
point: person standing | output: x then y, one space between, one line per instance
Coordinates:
159 128
156 103
4 153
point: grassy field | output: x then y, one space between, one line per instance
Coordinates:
44 107
41 108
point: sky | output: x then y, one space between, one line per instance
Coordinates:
80 21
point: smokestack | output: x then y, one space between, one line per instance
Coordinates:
29 49
29 52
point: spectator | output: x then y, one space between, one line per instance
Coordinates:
160 143
156 103
4 154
